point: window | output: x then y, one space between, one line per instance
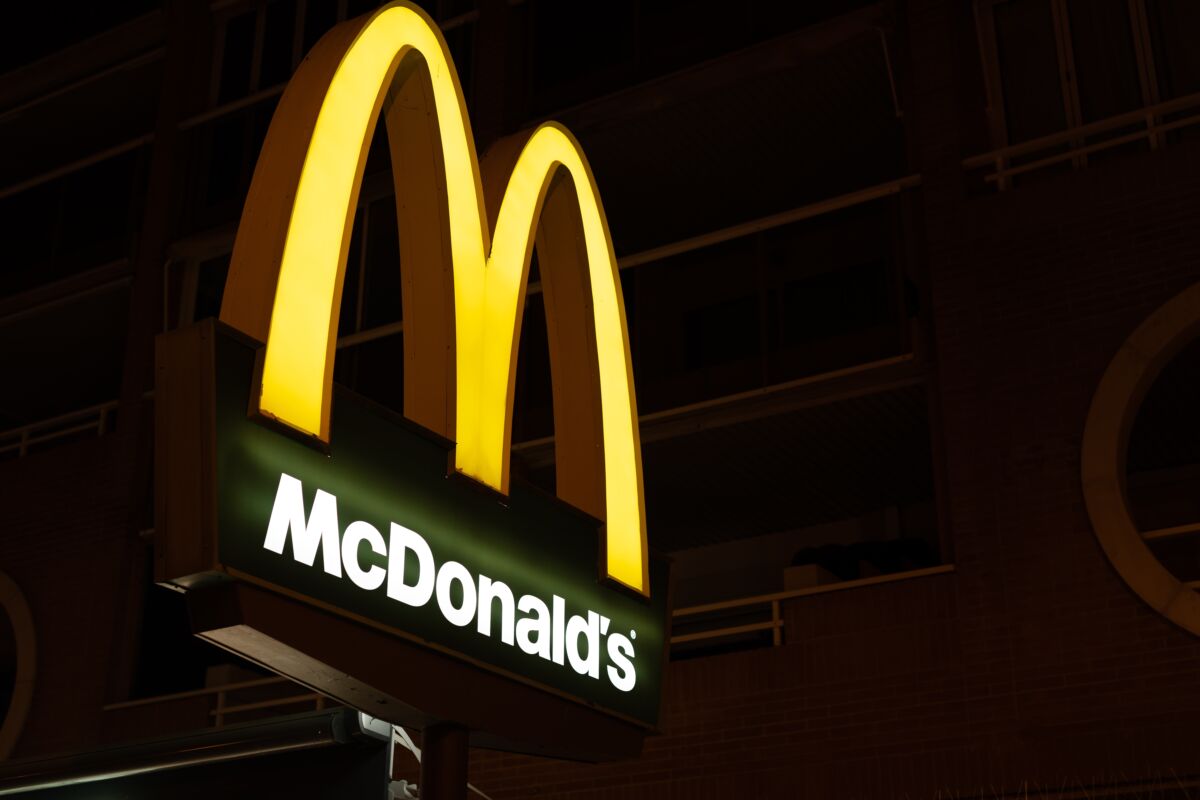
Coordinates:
581 50
259 47
1054 66
800 299
72 224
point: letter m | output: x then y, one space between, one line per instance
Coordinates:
320 531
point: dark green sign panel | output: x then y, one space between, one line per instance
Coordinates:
376 531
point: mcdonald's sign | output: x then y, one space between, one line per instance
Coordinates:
289 508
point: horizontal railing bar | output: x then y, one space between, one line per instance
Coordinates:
464 18
1066 155
1167 533
277 89
811 590
212 690
761 393
1107 144
25 443
1082 131
39 299
129 63
371 334
808 211
291 700
57 434
75 166
764 223
232 106
717 633
46 423
761 224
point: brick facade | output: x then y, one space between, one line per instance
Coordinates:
1030 665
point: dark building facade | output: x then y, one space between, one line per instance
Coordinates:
876 259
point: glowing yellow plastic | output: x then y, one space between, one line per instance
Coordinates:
489 277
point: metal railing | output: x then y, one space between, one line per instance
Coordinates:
19 441
226 703
243 697
772 603
1044 150
230 107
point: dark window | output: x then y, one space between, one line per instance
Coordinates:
835 303
375 370
41 29
79 221
27 224
223 178
381 295
210 286
237 57
1106 69
319 17
573 40
533 412
64 356
96 222
1173 27
278 40
726 331
1025 42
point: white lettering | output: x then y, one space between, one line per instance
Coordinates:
287 516
490 590
403 540
451 572
369 579
544 630
559 622
539 625
620 652
589 629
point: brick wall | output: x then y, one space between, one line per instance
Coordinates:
65 541
1032 665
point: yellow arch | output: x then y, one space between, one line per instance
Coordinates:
288 265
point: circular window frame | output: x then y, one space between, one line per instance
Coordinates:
12 602
1128 378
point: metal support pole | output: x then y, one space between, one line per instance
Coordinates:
444 762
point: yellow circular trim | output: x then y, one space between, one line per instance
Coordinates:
13 603
1106 440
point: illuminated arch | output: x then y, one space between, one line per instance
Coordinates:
463 288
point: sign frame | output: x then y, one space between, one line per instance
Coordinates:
466 258
319 645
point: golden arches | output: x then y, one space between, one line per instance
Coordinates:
464 289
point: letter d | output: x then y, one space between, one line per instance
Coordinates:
402 540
